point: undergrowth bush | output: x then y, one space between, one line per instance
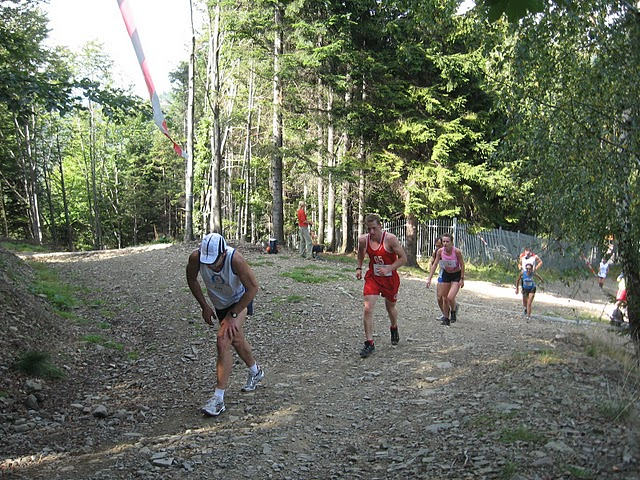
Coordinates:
38 364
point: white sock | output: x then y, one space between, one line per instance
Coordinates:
219 393
254 369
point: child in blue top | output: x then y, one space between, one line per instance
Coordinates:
527 279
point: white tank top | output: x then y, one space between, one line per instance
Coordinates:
224 287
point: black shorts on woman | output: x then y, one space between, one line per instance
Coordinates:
528 291
450 277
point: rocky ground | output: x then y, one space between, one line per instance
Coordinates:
492 396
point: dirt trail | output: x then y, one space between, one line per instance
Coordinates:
492 396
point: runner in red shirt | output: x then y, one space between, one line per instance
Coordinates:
385 257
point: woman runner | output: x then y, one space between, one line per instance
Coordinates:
452 266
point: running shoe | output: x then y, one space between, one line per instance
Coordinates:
368 349
441 318
525 311
214 407
253 380
395 336
446 322
454 314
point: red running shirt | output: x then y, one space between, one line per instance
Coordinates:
375 284
380 256
302 218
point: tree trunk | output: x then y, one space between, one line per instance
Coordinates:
31 183
628 247
65 203
3 208
215 224
628 250
331 187
347 218
361 185
247 157
411 246
276 158
46 176
87 184
188 177
97 226
320 227
362 156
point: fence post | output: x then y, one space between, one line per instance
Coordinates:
455 227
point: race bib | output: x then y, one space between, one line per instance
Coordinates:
448 263
378 273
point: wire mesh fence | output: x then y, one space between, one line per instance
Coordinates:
488 245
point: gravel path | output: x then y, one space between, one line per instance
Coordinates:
492 396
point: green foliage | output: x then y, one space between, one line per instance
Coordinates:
416 272
294 299
31 75
339 258
94 339
48 283
592 350
548 357
101 340
312 274
580 472
14 246
508 470
434 146
573 88
616 409
38 364
485 424
492 272
517 9
521 434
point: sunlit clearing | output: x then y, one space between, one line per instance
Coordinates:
487 289
94 255
29 461
9 464
278 418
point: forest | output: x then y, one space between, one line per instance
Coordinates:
519 114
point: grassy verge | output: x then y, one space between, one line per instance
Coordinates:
47 284
64 299
314 274
22 247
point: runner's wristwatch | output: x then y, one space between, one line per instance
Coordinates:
233 314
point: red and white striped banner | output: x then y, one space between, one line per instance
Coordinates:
158 116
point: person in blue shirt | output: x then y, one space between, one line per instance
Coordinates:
527 280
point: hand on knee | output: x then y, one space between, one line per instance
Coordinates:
223 343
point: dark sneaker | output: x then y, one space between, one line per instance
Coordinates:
446 322
214 407
368 349
525 311
441 318
395 336
454 314
253 380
